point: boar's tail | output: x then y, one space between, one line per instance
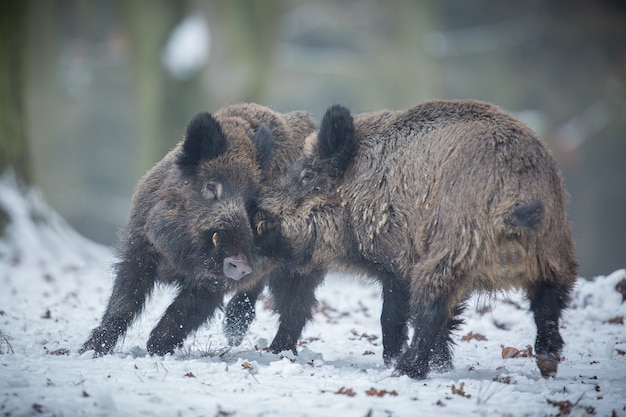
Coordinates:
528 215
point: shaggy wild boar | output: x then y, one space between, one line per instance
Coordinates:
190 225
436 202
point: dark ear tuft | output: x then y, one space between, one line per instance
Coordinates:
204 140
336 136
262 140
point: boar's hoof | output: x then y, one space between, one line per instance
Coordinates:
236 268
547 368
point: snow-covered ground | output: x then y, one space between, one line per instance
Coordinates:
54 285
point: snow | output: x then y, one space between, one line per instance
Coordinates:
55 285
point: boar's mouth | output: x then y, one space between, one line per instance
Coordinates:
263 223
268 237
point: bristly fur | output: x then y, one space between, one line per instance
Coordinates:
190 225
437 201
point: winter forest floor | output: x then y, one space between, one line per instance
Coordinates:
55 284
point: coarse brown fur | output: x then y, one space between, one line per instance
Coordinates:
435 202
189 223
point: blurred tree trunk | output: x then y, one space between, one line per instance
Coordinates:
148 23
13 141
251 27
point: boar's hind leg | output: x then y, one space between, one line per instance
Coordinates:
394 317
294 298
429 322
441 360
192 306
240 312
547 302
133 284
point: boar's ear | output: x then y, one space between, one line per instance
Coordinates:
262 140
336 137
204 140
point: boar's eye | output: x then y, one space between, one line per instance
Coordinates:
213 190
306 176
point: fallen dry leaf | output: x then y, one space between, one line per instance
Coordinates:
346 391
472 335
189 375
373 392
59 352
460 391
511 352
617 320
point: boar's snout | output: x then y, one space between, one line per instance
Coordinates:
236 267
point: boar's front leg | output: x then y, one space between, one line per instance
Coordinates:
240 312
134 281
193 305
394 317
294 298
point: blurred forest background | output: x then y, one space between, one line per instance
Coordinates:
110 85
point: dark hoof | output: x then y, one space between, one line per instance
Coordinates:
547 367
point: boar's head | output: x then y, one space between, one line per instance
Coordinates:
300 214
199 220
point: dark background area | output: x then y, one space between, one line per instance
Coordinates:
102 107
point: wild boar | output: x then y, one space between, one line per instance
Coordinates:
190 225
435 202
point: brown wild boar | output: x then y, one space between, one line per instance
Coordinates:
435 202
190 225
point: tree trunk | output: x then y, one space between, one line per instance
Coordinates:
13 144
13 141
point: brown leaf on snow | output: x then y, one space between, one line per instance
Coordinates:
373 392
621 288
189 375
85 394
47 315
59 352
471 335
617 320
369 338
460 391
346 391
511 352
620 352
565 407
